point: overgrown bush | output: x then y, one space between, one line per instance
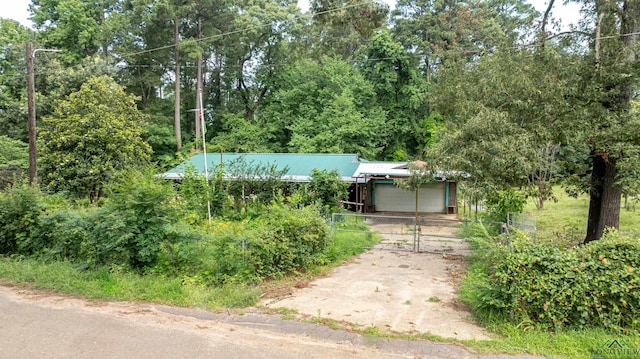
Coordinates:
20 207
128 229
219 257
60 235
137 226
596 285
281 240
501 203
305 230
134 222
198 195
325 189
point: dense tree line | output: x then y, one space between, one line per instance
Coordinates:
488 87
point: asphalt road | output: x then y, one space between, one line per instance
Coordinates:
40 324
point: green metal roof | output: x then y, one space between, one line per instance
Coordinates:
300 165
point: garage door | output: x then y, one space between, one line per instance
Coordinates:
389 198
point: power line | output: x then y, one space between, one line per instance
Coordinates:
250 28
414 56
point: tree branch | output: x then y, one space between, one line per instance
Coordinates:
545 19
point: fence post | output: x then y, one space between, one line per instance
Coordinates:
333 225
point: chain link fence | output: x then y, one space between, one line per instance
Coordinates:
522 222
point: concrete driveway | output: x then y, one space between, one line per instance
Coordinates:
400 291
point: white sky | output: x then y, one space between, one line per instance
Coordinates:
19 10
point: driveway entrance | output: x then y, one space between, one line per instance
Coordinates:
396 289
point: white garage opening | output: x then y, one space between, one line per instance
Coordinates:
431 198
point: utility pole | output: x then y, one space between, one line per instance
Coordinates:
31 106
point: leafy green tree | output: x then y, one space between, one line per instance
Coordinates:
253 184
342 27
508 106
55 81
236 134
13 112
498 115
79 27
401 91
610 82
326 107
327 188
255 51
14 160
441 30
142 38
93 134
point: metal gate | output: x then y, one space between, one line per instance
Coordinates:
399 233
437 233
434 234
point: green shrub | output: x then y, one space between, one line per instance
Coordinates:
501 203
60 235
328 188
20 207
197 195
282 240
301 234
131 227
596 285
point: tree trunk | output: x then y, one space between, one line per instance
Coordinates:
176 111
595 202
606 195
31 107
604 205
198 83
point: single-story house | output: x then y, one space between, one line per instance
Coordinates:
372 184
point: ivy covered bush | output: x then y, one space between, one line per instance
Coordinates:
595 285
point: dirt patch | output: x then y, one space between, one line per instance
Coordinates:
399 291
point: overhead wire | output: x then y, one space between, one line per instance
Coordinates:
369 2
228 33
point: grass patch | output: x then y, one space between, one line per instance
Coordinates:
346 244
516 339
566 219
108 284
113 283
